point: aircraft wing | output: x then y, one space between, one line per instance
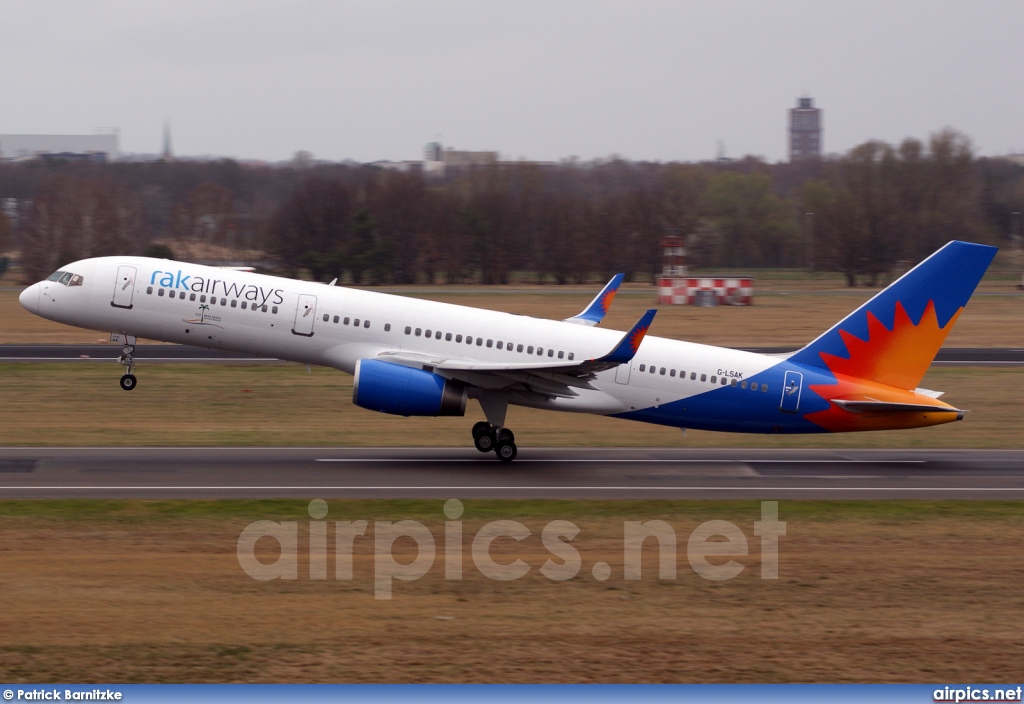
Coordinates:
554 378
595 312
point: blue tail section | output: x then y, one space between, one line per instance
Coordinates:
944 280
595 312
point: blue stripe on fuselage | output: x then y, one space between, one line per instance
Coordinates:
738 410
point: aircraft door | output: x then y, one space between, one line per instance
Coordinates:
622 373
791 389
124 287
305 314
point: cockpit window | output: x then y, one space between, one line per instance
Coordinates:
66 278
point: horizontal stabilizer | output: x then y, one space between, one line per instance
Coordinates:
889 407
595 312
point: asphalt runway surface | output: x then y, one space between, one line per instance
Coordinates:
556 473
963 356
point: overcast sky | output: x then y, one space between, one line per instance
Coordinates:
540 79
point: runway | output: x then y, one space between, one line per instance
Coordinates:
554 473
962 356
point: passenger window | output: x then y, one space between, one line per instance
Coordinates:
693 376
519 348
337 320
724 381
160 292
387 327
326 317
407 328
469 339
764 387
356 323
561 354
244 303
202 299
571 355
479 341
192 297
429 333
540 350
653 369
366 324
447 337
347 320
663 371
529 350
224 302
551 353
703 377
234 303
150 290
753 386
672 372
458 338
714 379
490 343
264 309
500 345
733 382
274 310
643 367
419 331
743 384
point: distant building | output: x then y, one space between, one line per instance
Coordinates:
68 147
804 131
438 160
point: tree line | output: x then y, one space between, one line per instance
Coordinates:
862 214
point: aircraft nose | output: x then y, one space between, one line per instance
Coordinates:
29 298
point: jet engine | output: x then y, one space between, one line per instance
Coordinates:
405 391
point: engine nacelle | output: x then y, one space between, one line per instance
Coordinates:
404 391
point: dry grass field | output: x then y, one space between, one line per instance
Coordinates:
98 591
80 403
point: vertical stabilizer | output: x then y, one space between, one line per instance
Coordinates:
893 338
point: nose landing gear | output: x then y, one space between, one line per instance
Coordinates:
501 441
127 360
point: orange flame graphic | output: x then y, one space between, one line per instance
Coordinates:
885 367
606 300
636 338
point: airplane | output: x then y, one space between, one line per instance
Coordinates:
422 358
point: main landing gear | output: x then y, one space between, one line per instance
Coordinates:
127 360
501 441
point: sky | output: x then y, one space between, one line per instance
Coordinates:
532 79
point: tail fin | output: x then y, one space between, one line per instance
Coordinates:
893 338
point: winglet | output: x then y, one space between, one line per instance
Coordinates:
629 344
595 312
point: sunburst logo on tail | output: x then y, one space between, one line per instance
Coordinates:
606 300
887 366
637 337
898 357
